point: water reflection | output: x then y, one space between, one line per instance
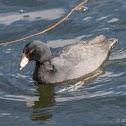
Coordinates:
42 109
50 14
46 100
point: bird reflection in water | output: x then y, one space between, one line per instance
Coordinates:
41 107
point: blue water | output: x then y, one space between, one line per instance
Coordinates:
100 101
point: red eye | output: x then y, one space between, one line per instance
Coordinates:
30 52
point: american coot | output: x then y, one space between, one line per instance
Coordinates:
70 62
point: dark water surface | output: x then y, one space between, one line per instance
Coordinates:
100 101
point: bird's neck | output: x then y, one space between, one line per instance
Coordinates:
42 71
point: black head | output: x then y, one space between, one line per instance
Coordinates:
37 51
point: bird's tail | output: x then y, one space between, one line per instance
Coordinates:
112 41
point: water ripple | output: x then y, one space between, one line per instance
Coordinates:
119 54
52 14
19 98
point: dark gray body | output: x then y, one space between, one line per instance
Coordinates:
74 61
